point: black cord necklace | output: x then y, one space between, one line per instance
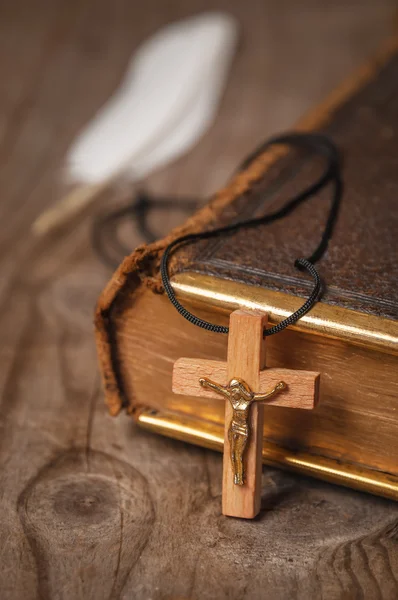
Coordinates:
320 145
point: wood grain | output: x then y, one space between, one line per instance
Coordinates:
302 391
91 507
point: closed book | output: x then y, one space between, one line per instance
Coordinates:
350 336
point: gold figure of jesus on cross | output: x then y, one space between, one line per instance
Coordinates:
241 398
244 381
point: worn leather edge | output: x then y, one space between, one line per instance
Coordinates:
141 268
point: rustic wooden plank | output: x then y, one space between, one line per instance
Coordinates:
91 507
302 390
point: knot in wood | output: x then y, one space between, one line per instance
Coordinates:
90 500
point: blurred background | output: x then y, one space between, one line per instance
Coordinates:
62 60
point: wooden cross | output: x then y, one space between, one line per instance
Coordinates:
244 382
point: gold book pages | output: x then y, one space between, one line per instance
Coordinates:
353 430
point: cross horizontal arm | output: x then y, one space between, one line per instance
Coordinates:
301 392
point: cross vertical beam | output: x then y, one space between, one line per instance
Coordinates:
246 358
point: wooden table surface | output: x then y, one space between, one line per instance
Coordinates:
92 507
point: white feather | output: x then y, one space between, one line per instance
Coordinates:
167 100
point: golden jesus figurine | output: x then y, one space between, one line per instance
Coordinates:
241 397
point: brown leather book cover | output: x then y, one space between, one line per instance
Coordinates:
350 337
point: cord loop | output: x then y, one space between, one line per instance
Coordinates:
322 145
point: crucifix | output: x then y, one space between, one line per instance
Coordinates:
246 386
